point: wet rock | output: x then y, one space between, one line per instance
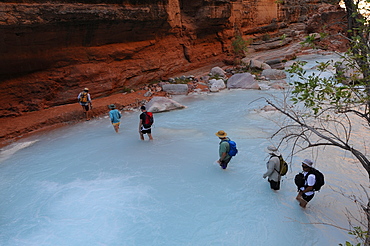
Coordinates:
278 84
253 63
217 83
242 81
273 74
217 71
162 104
176 89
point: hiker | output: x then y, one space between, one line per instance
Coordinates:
273 167
115 117
223 149
145 124
85 101
306 193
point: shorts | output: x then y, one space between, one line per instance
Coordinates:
147 131
224 163
307 198
274 185
116 124
85 107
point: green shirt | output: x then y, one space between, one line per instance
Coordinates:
224 148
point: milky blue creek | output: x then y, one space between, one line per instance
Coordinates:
86 185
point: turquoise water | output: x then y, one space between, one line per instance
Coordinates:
87 185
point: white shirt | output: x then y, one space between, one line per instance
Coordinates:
311 180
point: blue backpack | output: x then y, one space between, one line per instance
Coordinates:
232 150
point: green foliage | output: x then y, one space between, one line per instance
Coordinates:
125 89
316 92
240 46
346 91
216 77
359 234
182 80
247 69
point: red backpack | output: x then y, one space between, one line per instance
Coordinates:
148 120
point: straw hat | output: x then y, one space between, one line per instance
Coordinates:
221 134
86 89
272 150
112 106
308 162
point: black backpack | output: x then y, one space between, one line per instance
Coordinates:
300 180
320 180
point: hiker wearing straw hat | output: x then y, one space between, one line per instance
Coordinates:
273 168
115 117
224 149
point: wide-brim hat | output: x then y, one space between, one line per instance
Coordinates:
112 106
86 89
272 150
307 162
221 134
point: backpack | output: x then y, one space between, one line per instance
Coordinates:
300 180
320 180
83 97
283 166
232 148
148 120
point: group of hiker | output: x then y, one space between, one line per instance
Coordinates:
146 118
145 123
308 181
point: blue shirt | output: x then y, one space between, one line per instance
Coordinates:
115 116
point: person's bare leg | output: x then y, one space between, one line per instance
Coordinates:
302 202
150 136
116 128
87 115
141 136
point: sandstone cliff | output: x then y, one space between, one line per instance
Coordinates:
49 51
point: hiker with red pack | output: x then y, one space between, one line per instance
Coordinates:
146 122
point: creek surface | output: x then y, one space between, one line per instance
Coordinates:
86 185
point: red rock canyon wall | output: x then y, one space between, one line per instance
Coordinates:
49 51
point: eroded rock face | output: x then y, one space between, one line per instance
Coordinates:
50 51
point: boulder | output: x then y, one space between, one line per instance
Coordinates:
278 84
268 108
242 81
252 63
218 83
214 88
162 104
175 89
274 74
217 71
